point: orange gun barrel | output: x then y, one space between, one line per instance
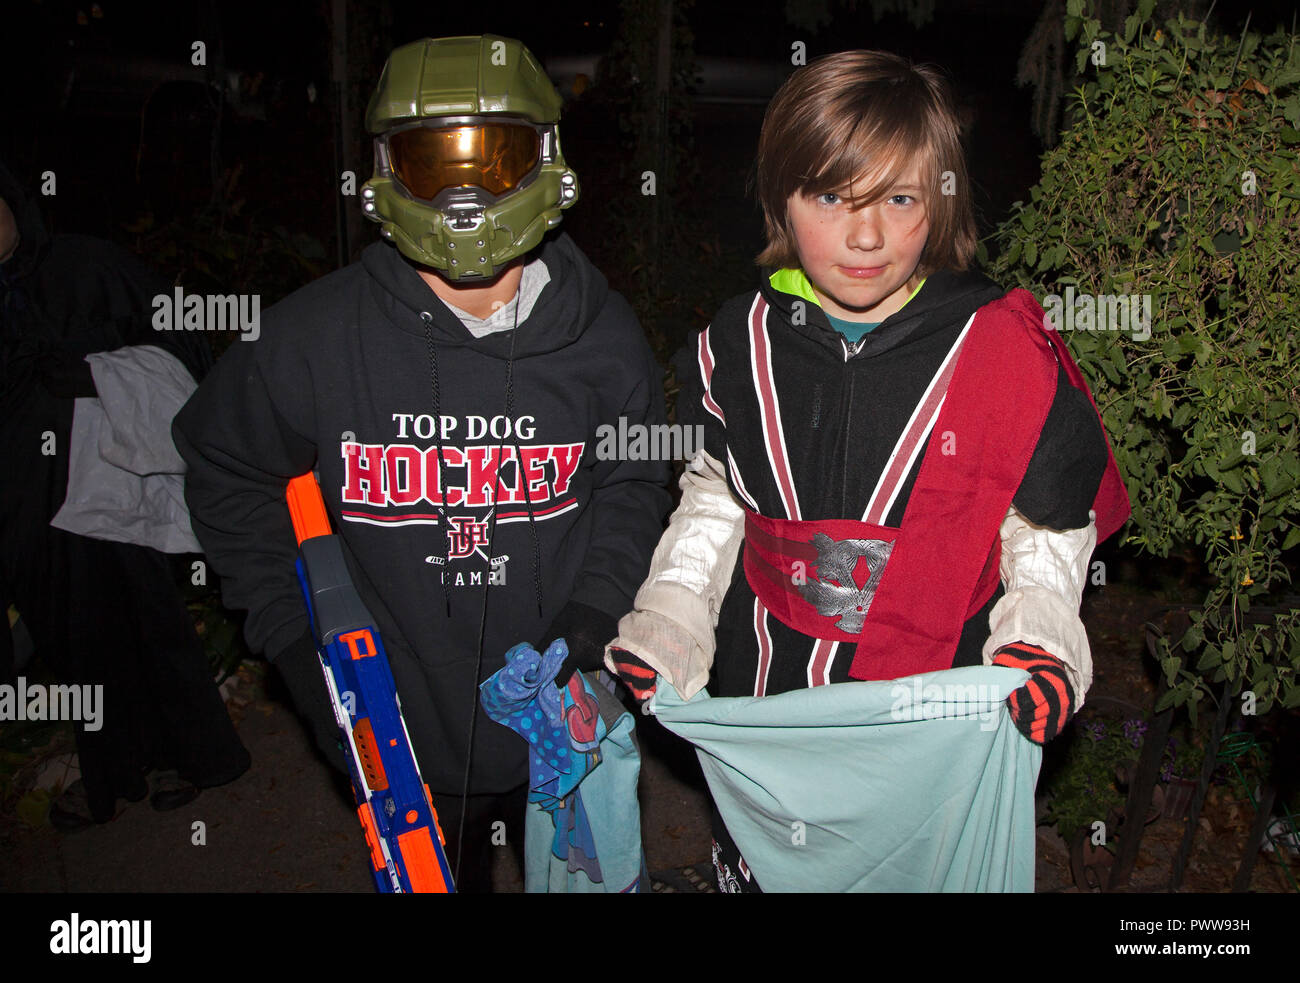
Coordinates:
307 508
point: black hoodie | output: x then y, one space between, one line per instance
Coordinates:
350 375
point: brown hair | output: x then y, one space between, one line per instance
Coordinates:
856 120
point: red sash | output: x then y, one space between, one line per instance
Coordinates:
825 587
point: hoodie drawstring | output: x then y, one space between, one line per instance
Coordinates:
523 479
427 318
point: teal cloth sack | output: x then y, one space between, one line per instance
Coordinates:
914 784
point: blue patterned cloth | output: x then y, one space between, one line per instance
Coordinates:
583 824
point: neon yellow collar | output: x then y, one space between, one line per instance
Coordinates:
793 280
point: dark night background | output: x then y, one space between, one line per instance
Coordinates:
226 178
112 106
105 97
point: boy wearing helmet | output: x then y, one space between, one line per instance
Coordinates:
447 388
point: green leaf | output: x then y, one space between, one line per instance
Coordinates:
1275 482
1232 481
1108 369
1291 110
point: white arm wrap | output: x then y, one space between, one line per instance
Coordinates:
671 626
1043 571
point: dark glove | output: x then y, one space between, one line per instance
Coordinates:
1042 707
636 675
300 668
66 375
586 631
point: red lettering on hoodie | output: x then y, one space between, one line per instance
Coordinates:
482 481
566 458
433 476
364 474
534 459
404 472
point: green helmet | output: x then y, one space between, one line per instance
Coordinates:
468 169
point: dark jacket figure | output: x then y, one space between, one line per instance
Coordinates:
99 612
368 376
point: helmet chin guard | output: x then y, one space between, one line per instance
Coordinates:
468 169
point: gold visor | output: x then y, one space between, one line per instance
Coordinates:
493 156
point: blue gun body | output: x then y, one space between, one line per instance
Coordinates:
393 803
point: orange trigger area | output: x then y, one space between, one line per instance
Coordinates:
372 835
364 735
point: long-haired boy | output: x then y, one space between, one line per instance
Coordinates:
915 487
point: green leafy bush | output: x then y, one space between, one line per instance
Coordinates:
1176 182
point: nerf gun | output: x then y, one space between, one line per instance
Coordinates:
393 803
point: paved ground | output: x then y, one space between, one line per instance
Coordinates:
286 824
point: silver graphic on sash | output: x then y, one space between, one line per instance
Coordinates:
836 561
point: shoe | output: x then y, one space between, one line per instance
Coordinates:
170 791
71 810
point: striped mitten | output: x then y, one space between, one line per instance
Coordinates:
1043 706
636 675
